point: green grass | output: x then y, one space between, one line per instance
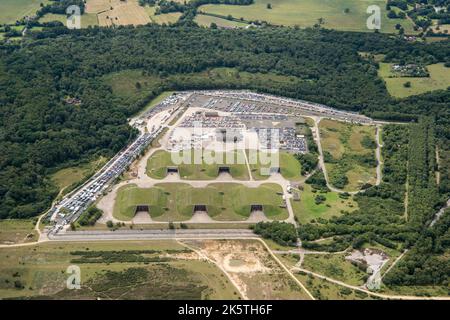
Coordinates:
87 19
205 21
334 266
17 231
129 196
439 79
123 84
67 177
157 166
175 201
325 290
42 271
289 166
343 141
12 10
167 18
306 209
305 13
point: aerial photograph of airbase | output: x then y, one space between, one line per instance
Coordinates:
236 150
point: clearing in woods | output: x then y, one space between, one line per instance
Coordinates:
439 79
349 154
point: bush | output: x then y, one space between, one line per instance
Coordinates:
281 232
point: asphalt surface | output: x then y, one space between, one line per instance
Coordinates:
154 234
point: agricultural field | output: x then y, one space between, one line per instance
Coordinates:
167 18
17 231
176 201
159 161
307 209
349 154
117 12
112 270
205 21
289 166
305 13
87 19
253 270
12 10
439 79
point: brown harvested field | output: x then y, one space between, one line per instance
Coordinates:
96 6
117 12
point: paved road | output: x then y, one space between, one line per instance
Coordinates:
154 234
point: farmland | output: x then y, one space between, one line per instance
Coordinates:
117 12
205 21
166 18
12 10
87 19
349 154
176 201
306 13
439 79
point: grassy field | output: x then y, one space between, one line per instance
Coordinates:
12 10
123 84
305 13
349 148
306 209
87 19
167 18
334 266
67 177
175 201
439 79
289 166
205 21
157 167
325 290
17 231
41 271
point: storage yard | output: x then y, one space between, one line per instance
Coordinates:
229 121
